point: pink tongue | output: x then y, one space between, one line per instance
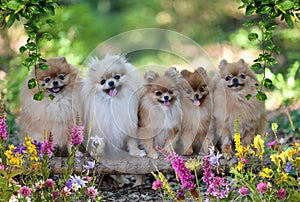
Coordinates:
166 103
55 90
113 92
196 102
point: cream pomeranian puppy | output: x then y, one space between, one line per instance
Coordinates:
232 85
159 112
110 97
196 106
57 116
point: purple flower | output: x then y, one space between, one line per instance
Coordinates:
19 149
2 167
3 128
243 191
272 144
180 194
262 187
55 195
25 191
157 184
78 181
48 146
281 194
69 184
38 146
90 165
50 183
92 192
77 135
288 167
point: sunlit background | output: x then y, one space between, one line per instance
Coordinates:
216 26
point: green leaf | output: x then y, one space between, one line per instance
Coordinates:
10 19
51 23
43 66
51 97
269 46
248 97
32 83
276 49
13 5
268 83
252 36
39 96
22 49
261 96
31 46
256 66
268 35
288 20
248 23
261 24
34 9
49 10
286 5
250 9
271 26
47 36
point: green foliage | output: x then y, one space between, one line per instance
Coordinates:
267 11
32 13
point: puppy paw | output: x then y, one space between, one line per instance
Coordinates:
143 153
153 154
138 152
227 151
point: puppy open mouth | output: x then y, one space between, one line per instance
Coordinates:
235 85
56 90
165 102
197 101
111 91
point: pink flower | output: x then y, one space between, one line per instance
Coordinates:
65 191
157 184
243 191
50 183
262 187
92 192
48 146
281 194
2 167
3 128
55 195
77 135
88 179
272 144
25 191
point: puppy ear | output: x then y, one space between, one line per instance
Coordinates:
185 73
62 59
241 62
172 72
202 71
222 64
150 76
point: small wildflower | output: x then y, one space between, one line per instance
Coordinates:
92 192
274 127
214 158
262 187
77 180
48 146
288 167
281 193
157 184
88 179
50 183
180 194
266 173
39 184
243 191
21 149
69 184
271 144
75 187
240 165
55 195
77 135
258 144
193 164
3 128
25 191
90 165
65 191
2 167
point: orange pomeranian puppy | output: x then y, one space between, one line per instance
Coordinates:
57 116
196 106
233 84
159 112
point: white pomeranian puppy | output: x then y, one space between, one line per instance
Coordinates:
110 97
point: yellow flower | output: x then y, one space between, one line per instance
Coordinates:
274 127
266 173
193 164
258 144
166 185
283 178
240 166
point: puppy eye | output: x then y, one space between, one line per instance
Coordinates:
158 93
61 77
47 80
117 76
227 78
102 81
201 89
243 76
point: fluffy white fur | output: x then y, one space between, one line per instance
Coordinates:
113 115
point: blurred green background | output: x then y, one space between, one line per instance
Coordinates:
81 25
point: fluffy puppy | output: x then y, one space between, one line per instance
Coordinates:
233 83
196 106
57 116
110 97
159 112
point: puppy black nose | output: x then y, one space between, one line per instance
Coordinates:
55 83
111 83
196 96
235 80
166 97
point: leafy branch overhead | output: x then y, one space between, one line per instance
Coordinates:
32 12
268 11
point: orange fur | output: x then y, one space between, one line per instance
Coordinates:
58 115
230 102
